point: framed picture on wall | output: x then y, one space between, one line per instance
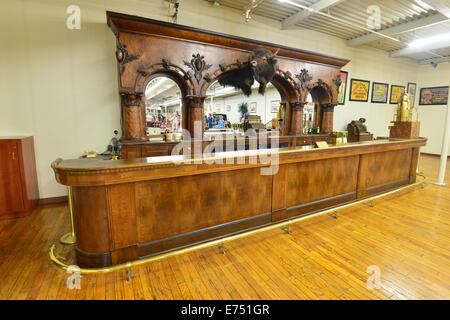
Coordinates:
274 105
380 92
412 90
359 90
434 96
253 107
343 87
396 92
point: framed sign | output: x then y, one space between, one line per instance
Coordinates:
434 96
253 107
274 105
359 90
396 92
380 92
412 90
343 87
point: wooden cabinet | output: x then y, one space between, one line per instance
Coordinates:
18 180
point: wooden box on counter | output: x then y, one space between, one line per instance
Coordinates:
19 193
405 130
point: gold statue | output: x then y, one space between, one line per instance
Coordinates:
404 110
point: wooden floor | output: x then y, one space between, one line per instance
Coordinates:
406 236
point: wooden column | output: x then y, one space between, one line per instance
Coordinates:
132 116
327 118
195 113
297 118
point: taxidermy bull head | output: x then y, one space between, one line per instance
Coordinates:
263 63
262 68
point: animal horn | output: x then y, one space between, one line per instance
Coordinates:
276 52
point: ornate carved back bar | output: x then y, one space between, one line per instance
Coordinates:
195 58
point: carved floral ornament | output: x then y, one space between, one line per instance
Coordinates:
123 56
304 78
198 66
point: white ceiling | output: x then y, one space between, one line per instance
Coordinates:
404 20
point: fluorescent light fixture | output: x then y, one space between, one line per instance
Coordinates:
424 5
429 41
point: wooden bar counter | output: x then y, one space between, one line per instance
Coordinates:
129 209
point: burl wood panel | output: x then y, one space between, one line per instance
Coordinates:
316 180
122 215
133 118
385 167
405 130
297 122
90 208
199 201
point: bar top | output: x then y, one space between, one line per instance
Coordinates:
96 164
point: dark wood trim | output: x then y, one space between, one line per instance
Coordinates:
52 200
93 259
135 24
386 187
432 154
313 207
207 234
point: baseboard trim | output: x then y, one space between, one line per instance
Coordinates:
53 200
432 154
183 240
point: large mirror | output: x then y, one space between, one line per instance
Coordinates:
163 106
228 110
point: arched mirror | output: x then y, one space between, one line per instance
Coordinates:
163 106
229 110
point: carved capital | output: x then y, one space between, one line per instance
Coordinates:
297 106
131 99
328 107
195 101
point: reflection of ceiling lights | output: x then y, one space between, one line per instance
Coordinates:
157 89
171 103
216 90
153 85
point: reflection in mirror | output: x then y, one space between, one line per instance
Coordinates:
228 110
309 116
163 106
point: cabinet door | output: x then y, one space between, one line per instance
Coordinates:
10 181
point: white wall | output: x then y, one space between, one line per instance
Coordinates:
60 85
432 118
